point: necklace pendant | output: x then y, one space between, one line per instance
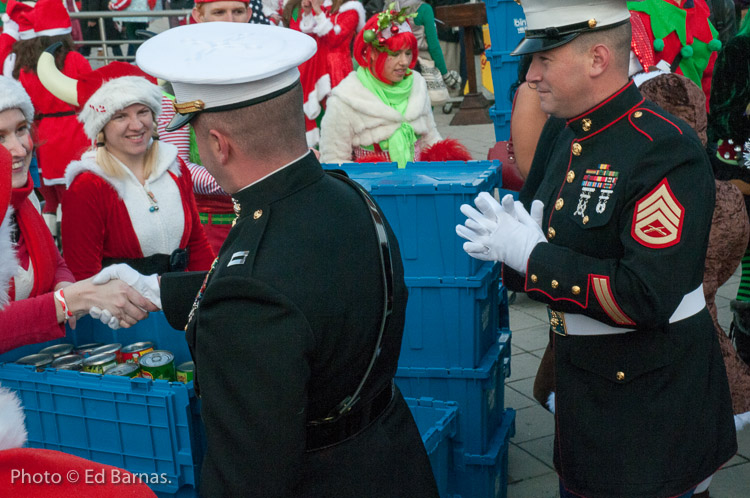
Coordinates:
153 209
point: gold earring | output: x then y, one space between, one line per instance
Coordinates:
100 139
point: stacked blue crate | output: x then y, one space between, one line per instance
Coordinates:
507 25
451 348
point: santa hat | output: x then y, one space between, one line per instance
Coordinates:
21 14
50 18
13 96
101 93
246 2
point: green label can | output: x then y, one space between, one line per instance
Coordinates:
57 350
132 352
125 370
40 361
158 364
68 362
185 372
99 363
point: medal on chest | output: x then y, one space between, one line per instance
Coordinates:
601 181
199 296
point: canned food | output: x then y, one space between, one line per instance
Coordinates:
109 348
85 349
132 352
99 363
185 372
125 370
68 362
57 350
40 361
158 364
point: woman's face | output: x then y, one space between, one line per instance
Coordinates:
16 137
128 133
397 65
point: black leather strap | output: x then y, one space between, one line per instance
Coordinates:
156 263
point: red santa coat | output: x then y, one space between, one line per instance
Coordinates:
60 139
97 223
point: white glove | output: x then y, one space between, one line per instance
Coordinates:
10 27
105 317
495 235
452 79
146 286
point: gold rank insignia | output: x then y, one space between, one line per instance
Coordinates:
658 217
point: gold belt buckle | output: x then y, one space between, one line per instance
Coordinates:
557 322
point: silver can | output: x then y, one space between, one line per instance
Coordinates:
57 350
115 348
99 363
68 362
85 349
125 370
40 361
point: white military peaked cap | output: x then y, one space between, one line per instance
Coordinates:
552 23
219 66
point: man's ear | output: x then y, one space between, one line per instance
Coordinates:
196 15
220 146
601 58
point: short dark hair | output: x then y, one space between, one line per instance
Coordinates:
617 39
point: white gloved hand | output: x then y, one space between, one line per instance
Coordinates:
105 316
10 27
495 235
146 285
452 79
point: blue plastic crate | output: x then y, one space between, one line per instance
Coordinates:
485 475
507 24
501 121
450 322
504 68
436 421
421 203
479 392
503 338
141 425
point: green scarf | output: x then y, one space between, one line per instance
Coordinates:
400 145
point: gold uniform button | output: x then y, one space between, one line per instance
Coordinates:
575 290
620 376
576 148
586 124
571 176
637 114
534 278
554 284
257 214
551 233
559 203
585 219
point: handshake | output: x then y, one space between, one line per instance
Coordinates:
116 304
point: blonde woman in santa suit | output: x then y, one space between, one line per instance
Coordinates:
37 290
130 199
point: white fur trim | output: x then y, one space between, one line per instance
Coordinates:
8 261
307 23
741 420
13 95
323 25
356 6
12 420
551 402
54 31
115 95
167 161
357 117
313 137
641 78
322 89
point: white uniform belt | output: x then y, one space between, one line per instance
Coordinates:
577 324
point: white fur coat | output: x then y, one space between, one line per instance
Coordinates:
356 117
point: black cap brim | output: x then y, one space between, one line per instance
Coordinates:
179 120
531 45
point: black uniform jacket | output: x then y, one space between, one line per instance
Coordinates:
285 329
629 196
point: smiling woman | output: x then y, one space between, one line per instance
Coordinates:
129 199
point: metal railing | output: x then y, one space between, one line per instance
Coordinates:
103 43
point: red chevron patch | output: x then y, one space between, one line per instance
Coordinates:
658 217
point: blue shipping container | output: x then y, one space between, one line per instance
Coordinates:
436 421
451 322
501 121
507 24
504 68
421 203
479 392
485 475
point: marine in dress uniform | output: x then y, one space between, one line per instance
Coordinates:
642 402
289 318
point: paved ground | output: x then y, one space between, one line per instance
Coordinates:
531 473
